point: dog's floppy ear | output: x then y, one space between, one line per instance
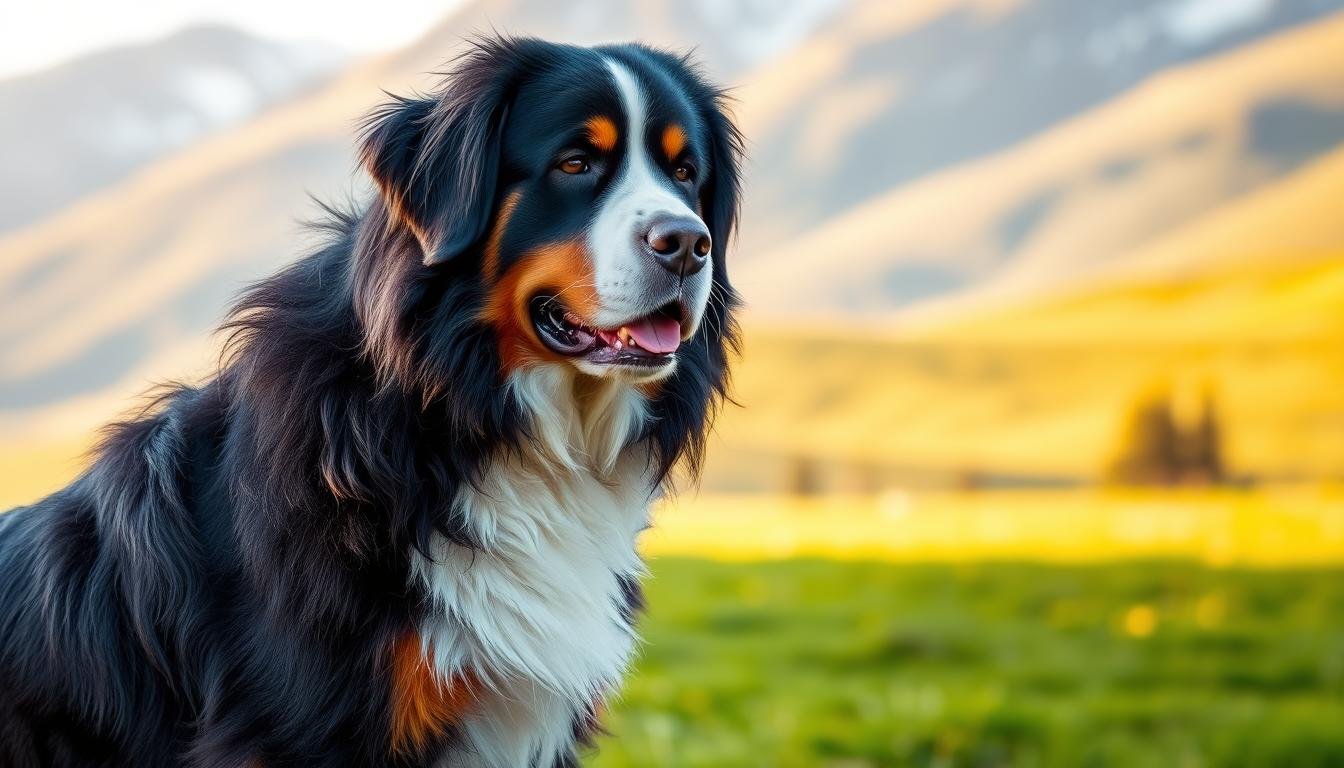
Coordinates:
435 159
720 196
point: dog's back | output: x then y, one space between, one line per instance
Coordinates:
132 632
101 582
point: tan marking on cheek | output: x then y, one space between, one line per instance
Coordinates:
423 706
674 141
501 225
564 268
602 133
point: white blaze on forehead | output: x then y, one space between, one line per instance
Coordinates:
639 195
641 181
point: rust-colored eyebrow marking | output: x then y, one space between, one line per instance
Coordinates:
674 141
602 133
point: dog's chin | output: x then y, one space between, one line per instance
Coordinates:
630 374
642 349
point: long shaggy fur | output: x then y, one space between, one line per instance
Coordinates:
222 585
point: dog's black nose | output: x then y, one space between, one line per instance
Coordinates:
680 244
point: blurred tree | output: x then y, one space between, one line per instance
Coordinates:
1157 449
1202 453
803 477
1149 452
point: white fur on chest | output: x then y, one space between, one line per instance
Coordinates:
535 614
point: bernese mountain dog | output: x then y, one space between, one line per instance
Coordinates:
398 526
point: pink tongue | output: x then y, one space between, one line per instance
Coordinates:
656 334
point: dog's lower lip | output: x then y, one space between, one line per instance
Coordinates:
565 333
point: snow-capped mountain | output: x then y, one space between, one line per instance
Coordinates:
82 125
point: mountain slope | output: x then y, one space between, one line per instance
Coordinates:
85 124
888 93
1081 195
1265 338
1246 301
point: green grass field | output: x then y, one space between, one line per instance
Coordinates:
819 663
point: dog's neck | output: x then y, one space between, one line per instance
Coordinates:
540 611
578 423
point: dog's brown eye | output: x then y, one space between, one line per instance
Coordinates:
574 165
684 172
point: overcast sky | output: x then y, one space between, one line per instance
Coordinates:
36 34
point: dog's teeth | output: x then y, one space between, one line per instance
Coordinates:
618 344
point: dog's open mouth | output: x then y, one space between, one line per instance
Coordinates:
648 341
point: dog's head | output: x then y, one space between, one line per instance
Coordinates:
588 194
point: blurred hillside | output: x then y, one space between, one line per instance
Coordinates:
940 145
1246 302
1083 193
81 126
983 228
